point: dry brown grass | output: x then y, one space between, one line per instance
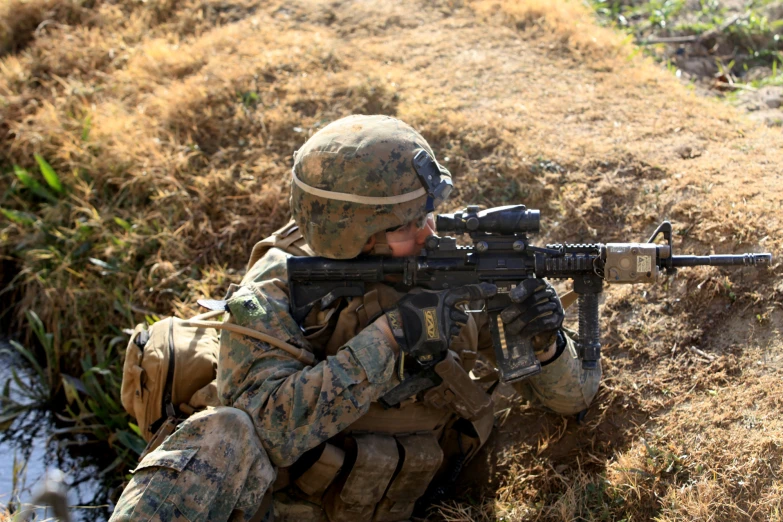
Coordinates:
173 123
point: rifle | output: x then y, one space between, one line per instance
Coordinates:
501 254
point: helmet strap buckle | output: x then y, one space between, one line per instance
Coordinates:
381 246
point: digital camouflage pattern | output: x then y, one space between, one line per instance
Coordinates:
219 463
295 408
287 408
212 468
562 386
359 155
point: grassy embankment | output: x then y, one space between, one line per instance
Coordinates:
170 127
732 39
722 48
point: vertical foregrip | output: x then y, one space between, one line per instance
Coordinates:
589 331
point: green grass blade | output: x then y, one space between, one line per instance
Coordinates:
131 441
135 429
51 177
31 392
72 386
36 188
86 126
111 405
103 264
124 224
27 354
20 218
119 461
8 418
47 341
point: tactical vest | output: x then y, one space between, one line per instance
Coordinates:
381 465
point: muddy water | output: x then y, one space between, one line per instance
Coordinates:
30 445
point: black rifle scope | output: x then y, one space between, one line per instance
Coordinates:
508 220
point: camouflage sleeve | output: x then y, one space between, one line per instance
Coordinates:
295 408
562 386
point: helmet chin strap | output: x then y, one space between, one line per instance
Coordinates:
381 246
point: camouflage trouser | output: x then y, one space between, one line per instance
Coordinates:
212 468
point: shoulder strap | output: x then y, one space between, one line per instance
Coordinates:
289 239
203 321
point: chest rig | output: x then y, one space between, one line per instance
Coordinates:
383 464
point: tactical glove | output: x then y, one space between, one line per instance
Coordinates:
536 313
424 321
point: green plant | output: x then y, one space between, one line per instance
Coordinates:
29 182
748 29
93 402
660 12
18 479
44 383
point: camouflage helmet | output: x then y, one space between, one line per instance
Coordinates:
361 175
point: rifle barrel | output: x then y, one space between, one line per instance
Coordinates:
723 260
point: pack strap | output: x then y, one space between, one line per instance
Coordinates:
370 309
288 239
202 321
166 429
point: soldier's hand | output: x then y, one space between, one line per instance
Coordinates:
536 313
424 321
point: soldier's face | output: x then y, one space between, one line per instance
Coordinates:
409 240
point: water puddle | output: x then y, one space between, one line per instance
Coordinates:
30 447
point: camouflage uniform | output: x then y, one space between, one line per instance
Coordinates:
293 407
194 475
280 408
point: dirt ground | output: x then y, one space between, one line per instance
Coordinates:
194 108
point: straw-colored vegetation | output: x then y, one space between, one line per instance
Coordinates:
169 128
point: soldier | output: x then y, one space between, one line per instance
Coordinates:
316 435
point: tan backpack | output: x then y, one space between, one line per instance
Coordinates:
170 367
169 370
